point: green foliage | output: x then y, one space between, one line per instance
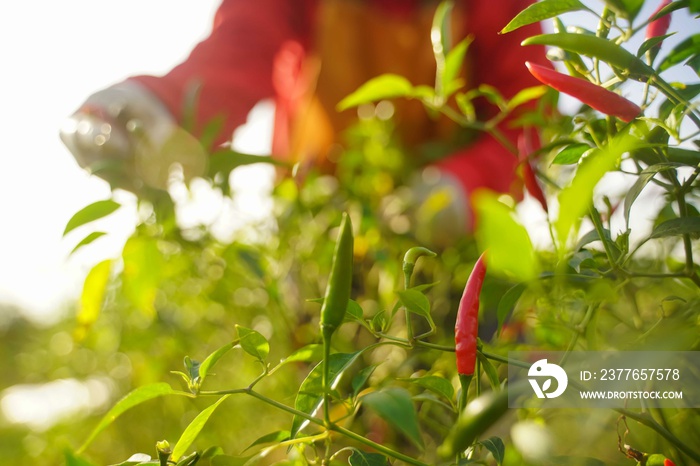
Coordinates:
602 280
90 213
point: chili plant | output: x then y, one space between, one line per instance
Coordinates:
372 375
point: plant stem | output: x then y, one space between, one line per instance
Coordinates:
326 375
672 95
263 398
496 357
595 217
381 448
648 421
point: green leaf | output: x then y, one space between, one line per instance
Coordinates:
440 37
642 180
540 11
651 43
134 398
688 92
359 381
253 343
490 372
395 406
272 437
360 458
90 213
454 62
189 460
571 154
628 9
507 303
310 395
74 460
583 259
379 321
213 358
386 86
684 156
223 460
683 51
526 95
88 239
193 430
435 384
93 293
694 64
138 459
496 447
353 312
575 199
143 271
677 227
510 250
591 237
415 301
492 94
308 353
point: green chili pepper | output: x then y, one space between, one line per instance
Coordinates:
409 261
595 47
335 302
595 96
476 418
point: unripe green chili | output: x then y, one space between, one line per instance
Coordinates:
595 47
335 302
467 324
409 261
595 96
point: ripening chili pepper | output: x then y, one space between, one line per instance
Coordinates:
656 460
595 96
467 325
659 26
528 174
595 47
337 295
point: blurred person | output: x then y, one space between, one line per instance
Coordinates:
308 55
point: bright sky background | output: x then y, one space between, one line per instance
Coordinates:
54 54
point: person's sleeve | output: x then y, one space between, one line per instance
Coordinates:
233 67
497 60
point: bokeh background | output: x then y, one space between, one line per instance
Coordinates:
54 54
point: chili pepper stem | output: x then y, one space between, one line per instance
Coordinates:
464 382
327 334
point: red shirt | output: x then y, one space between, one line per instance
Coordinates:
262 49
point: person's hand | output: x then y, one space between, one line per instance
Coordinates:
126 136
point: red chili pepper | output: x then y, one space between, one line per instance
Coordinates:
467 325
595 96
659 26
528 174
668 462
